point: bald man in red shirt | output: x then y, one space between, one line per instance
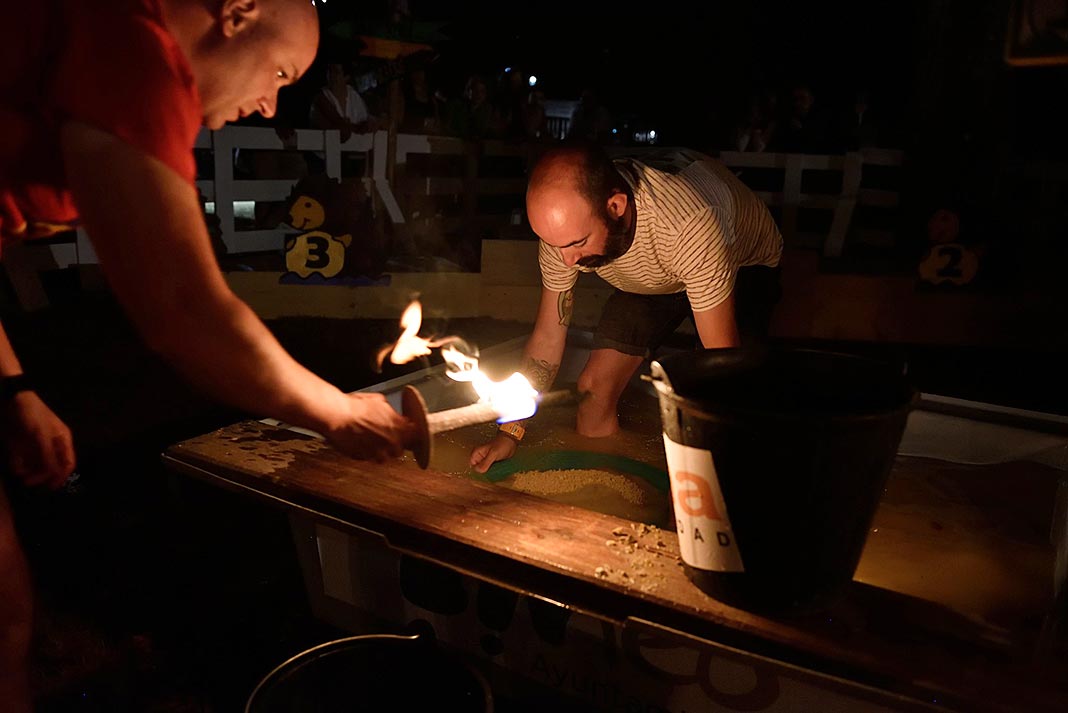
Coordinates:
100 103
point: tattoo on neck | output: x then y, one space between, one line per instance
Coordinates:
540 373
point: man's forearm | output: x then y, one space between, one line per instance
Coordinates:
9 363
222 347
540 373
545 348
148 230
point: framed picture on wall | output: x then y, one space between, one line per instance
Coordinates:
1037 33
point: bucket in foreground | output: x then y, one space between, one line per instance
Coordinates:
372 673
778 458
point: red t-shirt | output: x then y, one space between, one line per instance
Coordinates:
110 64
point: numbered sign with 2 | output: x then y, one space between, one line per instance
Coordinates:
949 263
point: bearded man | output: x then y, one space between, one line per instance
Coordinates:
695 243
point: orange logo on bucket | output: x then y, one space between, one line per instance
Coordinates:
706 540
695 496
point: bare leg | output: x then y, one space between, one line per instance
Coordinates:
16 616
606 375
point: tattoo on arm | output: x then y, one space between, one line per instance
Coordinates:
565 305
540 373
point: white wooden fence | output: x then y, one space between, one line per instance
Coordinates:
791 199
224 189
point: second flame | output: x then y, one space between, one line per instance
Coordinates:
513 398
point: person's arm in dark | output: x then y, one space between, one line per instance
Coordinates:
148 230
38 445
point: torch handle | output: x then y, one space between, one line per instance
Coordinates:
414 409
425 424
442 421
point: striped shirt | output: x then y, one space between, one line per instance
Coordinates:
694 229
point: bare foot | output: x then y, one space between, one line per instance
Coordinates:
597 428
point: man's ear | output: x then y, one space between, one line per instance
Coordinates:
617 204
236 16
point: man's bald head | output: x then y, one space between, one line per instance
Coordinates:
578 201
582 168
285 16
243 51
559 167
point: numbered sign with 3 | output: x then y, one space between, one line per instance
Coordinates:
316 251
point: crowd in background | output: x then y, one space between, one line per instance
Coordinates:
360 96
357 96
449 89
793 121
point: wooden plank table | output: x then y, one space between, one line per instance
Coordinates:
935 651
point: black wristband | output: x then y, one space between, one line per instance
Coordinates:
11 385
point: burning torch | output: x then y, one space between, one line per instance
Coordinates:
427 423
512 399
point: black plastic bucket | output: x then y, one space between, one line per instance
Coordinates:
406 674
778 458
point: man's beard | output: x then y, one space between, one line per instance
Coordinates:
616 243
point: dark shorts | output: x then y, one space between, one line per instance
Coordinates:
637 324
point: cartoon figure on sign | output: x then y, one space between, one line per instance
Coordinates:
314 251
331 212
948 260
306 213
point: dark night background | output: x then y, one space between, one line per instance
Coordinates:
142 600
938 85
934 68
980 137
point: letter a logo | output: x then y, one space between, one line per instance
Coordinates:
699 509
695 496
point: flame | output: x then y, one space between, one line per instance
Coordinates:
410 345
513 399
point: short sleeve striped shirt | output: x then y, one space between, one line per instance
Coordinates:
695 228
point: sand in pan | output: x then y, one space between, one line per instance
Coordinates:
625 496
553 430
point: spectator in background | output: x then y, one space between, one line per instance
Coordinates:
422 105
513 95
473 117
856 128
756 130
536 122
804 129
339 106
399 11
591 121
365 75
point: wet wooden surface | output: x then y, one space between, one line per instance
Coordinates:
910 623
